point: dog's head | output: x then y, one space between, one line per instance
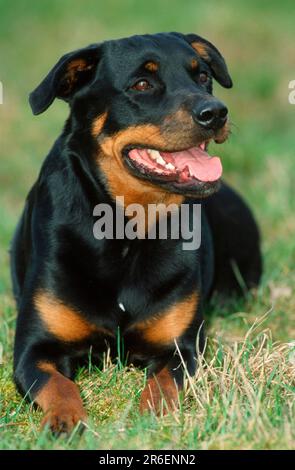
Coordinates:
147 104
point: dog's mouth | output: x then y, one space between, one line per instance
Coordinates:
190 168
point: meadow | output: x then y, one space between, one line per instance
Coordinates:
242 396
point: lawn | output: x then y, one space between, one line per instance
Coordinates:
243 393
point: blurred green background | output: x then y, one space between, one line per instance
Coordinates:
257 39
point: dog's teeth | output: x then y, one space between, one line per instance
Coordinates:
160 160
154 154
169 166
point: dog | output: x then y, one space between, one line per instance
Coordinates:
142 114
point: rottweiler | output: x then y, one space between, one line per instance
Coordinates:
142 114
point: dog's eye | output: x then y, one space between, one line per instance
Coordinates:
142 85
203 77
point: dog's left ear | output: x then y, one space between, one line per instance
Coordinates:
69 75
211 55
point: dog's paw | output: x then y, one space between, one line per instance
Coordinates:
160 394
62 420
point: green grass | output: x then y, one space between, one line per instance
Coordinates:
243 393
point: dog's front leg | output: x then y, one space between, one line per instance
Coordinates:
161 392
60 400
58 396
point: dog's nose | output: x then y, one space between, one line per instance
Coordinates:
210 114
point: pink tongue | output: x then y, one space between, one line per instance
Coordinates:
201 165
193 162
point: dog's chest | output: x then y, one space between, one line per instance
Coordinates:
152 280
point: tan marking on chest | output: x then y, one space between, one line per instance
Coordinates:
64 322
163 328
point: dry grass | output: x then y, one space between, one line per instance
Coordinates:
241 397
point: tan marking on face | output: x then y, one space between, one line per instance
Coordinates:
63 321
201 48
98 124
60 400
194 64
122 183
151 66
223 133
181 125
160 393
144 135
163 328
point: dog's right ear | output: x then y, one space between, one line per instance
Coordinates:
70 74
211 55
